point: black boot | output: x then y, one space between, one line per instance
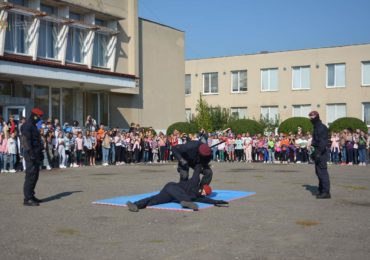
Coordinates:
189 205
323 196
30 203
132 207
36 199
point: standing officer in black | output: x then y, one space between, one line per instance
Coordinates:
31 142
320 155
191 154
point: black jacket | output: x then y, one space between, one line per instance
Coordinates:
189 152
31 141
319 137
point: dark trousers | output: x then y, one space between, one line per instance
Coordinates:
321 170
170 192
31 178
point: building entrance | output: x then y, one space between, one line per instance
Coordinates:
16 111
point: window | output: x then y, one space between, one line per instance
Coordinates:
270 113
187 84
301 110
239 81
238 112
23 91
335 111
188 114
48 35
366 113
16 39
75 44
100 58
101 40
366 73
96 105
269 79
5 88
18 2
55 102
336 75
301 77
210 83
41 99
67 98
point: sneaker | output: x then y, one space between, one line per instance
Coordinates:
132 207
189 205
48 168
12 171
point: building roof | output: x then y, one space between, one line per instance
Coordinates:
268 52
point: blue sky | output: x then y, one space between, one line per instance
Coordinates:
216 28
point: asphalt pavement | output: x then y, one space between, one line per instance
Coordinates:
283 220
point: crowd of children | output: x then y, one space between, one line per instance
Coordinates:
73 146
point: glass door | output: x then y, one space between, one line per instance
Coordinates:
16 111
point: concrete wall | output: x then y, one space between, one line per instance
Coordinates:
353 94
162 68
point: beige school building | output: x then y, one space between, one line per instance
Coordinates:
74 58
335 81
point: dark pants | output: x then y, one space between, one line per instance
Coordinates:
321 170
31 178
206 171
170 192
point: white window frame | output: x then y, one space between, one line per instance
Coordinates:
188 115
300 107
209 74
238 75
362 73
269 81
327 75
188 75
336 117
300 77
238 109
269 112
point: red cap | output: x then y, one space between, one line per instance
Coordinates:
313 114
204 150
37 111
207 189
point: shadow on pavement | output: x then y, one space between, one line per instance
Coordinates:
59 196
313 189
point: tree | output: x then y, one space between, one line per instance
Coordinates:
203 116
269 125
220 117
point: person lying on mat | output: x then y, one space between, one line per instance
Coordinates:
191 154
186 192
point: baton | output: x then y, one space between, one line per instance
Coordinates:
217 144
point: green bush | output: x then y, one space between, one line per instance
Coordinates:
245 125
347 122
183 127
292 124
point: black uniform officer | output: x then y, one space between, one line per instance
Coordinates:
31 143
191 154
320 155
186 192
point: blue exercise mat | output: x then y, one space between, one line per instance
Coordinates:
227 195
